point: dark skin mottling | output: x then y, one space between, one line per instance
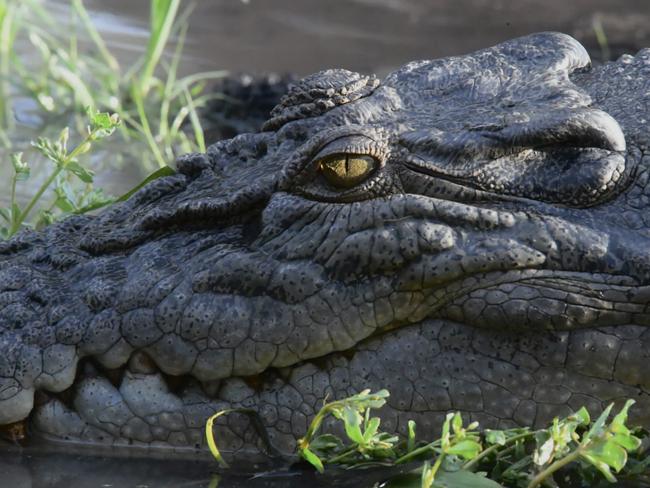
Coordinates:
471 233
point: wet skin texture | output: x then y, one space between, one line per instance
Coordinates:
492 255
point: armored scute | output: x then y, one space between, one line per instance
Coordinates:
471 233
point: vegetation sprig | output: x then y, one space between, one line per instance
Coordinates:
573 451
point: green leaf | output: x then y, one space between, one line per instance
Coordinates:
544 453
444 479
5 214
64 204
493 437
65 192
21 168
463 479
371 430
609 453
628 442
457 423
426 480
312 459
618 422
100 120
410 444
352 422
102 124
445 430
45 147
164 171
15 212
467 449
598 426
600 466
82 173
583 416
325 442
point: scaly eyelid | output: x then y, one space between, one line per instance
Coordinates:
353 145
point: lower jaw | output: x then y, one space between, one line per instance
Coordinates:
499 378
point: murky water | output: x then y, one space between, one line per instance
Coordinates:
40 467
303 36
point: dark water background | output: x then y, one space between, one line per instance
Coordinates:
303 36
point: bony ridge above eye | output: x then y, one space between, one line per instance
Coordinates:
344 170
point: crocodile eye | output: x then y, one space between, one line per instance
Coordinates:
347 170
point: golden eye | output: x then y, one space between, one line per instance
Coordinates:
347 170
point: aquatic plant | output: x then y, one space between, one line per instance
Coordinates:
159 109
66 198
61 76
573 451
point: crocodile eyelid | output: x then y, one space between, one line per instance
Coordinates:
353 144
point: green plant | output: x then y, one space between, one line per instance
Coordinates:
155 103
159 108
66 198
573 448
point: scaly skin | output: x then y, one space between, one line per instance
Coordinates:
495 260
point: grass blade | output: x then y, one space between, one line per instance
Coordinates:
163 13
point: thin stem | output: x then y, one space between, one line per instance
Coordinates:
6 48
416 452
163 14
146 128
14 179
23 215
170 82
95 36
343 455
46 184
196 123
436 465
537 480
473 462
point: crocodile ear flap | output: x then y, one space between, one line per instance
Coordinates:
318 93
518 64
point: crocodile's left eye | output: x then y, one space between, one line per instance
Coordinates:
347 170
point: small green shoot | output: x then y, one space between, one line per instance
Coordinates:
66 163
464 457
66 71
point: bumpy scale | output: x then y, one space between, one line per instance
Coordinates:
472 233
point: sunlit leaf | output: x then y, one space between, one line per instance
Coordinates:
618 422
411 436
495 437
598 426
544 453
164 171
352 422
609 453
312 459
600 466
371 430
467 449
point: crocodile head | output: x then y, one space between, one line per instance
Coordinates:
471 233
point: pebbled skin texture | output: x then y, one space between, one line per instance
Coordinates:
495 261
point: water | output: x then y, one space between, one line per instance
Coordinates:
42 467
303 36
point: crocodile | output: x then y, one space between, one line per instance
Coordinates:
472 233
